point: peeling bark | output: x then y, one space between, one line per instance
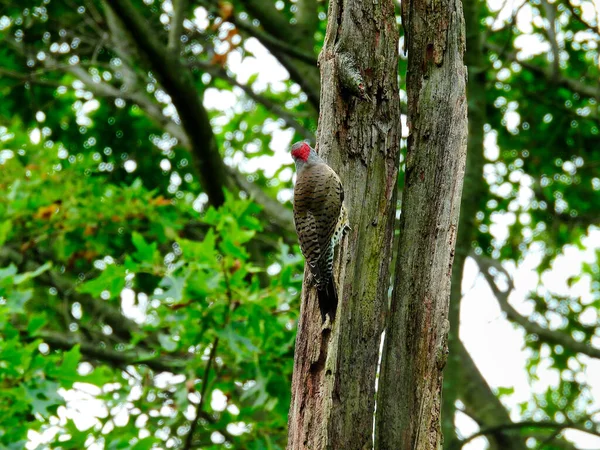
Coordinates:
415 350
333 387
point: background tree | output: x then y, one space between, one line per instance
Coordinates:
120 128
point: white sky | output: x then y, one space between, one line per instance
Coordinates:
496 345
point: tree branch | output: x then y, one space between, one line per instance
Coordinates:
101 311
179 9
29 78
178 83
270 105
122 46
306 75
274 211
307 20
579 18
526 424
112 357
194 423
587 90
551 34
271 19
224 432
481 403
551 336
278 215
269 41
231 307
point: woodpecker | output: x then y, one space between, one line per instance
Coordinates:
321 220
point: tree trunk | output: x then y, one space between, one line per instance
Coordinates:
333 387
474 186
415 349
462 379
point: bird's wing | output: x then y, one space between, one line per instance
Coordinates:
318 197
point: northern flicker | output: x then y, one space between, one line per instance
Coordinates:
321 219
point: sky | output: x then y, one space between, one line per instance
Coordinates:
495 344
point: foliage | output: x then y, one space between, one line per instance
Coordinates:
181 298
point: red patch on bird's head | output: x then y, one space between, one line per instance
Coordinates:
300 150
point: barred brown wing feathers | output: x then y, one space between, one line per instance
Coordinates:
318 196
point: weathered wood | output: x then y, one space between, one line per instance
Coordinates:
333 387
459 372
415 349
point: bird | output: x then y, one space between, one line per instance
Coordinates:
321 220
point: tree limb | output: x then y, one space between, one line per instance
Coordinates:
29 78
269 41
579 18
271 19
113 357
306 75
551 34
178 83
176 27
587 90
551 336
270 105
122 46
274 211
194 423
101 311
307 20
213 351
526 424
278 215
482 404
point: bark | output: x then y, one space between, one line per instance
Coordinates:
333 386
415 349
474 191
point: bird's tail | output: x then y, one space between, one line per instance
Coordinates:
328 300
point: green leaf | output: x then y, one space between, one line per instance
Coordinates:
174 287
145 252
17 299
9 271
167 342
144 444
36 323
21 278
241 346
44 396
5 228
112 279
201 252
505 391
66 372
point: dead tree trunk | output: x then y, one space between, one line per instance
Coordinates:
333 387
415 349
